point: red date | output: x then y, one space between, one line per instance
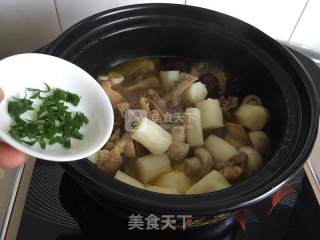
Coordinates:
212 84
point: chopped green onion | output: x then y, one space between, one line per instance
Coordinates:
53 123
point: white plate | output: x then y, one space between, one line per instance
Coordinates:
33 70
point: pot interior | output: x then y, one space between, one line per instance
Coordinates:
235 58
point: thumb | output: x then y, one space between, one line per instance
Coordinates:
10 157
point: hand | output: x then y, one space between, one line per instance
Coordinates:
9 157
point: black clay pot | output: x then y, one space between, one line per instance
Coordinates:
263 65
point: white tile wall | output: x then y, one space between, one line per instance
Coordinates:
26 25
72 11
277 18
307 32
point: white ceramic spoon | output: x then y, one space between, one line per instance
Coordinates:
32 70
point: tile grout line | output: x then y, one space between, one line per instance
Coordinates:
58 15
295 26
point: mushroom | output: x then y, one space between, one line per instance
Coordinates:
178 149
156 101
232 174
252 100
218 165
254 162
229 103
260 141
236 135
192 167
110 161
179 88
114 96
199 165
178 134
252 116
150 82
238 160
205 158
233 168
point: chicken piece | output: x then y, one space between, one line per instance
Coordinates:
199 165
140 150
156 101
114 96
150 82
233 168
122 108
111 161
129 152
237 160
115 137
118 121
176 100
176 92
